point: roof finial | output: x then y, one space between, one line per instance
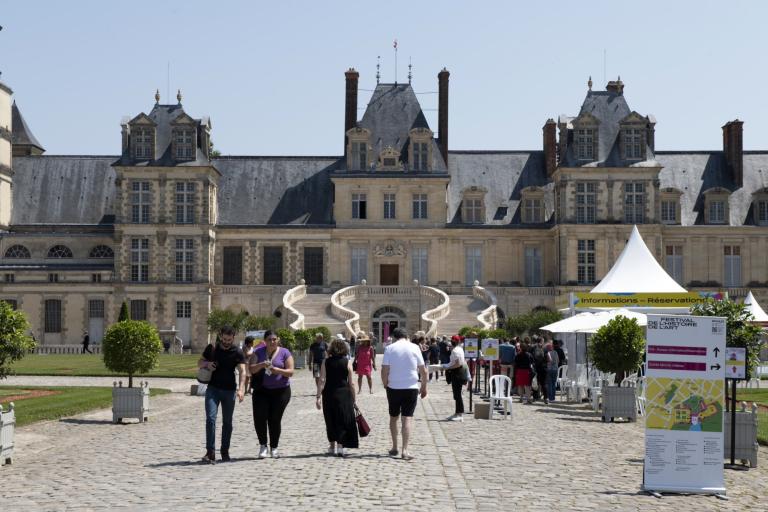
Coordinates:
178 96
409 71
378 67
157 96
589 83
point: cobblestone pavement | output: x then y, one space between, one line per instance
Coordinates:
552 458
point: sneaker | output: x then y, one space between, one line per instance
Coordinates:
263 451
209 457
275 454
225 456
341 452
457 417
331 450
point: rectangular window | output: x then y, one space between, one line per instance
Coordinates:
143 140
586 262
359 156
389 206
669 212
184 144
11 302
419 206
533 266
533 210
138 310
717 212
183 309
674 262
585 144
633 143
473 211
313 266
732 270
96 308
419 264
95 278
762 212
420 156
634 203
474 264
233 265
273 265
359 206
139 260
586 202
359 269
185 203
140 201
185 259
53 278
52 315
10 278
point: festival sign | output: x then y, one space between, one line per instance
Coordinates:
490 349
471 348
645 300
684 404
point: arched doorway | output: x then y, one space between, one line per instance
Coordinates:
385 320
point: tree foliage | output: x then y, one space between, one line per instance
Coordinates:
131 347
219 318
257 323
287 339
618 347
531 323
123 316
303 338
14 341
739 329
326 332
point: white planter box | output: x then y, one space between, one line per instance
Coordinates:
299 359
746 435
130 402
7 431
619 402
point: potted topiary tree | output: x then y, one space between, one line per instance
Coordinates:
303 339
131 347
618 348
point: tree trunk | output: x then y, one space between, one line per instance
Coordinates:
130 380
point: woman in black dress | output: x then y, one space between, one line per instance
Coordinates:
336 396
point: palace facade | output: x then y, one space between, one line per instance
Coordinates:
176 230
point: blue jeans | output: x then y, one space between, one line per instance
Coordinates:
214 397
551 383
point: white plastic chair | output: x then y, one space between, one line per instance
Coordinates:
500 391
640 395
562 381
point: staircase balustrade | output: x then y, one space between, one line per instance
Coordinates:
293 295
487 317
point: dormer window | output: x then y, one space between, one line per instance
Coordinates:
420 154
716 206
184 143
634 143
532 205
473 207
585 143
669 206
716 212
358 152
359 156
143 143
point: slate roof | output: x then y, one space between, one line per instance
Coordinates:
21 134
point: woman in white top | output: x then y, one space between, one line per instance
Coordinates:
456 369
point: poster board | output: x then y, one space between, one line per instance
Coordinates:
685 404
471 348
735 363
490 349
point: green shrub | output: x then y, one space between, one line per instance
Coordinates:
14 342
498 334
303 338
618 347
131 347
219 318
326 332
123 315
257 323
287 339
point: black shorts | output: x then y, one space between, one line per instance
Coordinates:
402 402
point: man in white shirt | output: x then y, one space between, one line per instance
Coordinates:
401 370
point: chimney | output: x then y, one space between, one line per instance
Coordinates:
442 113
733 148
550 146
615 86
350 105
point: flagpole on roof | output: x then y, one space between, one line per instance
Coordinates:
395 46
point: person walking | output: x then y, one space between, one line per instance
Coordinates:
456 367
401 369
506 357
223 358
248 349
86 343
366 362
553 363
271 372
445 351
539 354
317 351
336 397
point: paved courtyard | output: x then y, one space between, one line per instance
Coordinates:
552 458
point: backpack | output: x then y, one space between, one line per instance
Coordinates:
539 357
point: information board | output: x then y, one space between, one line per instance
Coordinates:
471 348
490 349
685 404
735 363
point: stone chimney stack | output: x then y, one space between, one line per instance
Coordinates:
350 104
442 113
6 173
615 86
733 148
550 146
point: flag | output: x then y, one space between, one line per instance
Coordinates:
394 45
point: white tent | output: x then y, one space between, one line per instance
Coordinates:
637 271
591 322
603 317
761 316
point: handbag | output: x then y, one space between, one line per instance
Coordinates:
204 375
465 373
363 429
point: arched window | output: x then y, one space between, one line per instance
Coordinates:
59 251
101 251
17 251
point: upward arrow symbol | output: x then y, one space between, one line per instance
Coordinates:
716 351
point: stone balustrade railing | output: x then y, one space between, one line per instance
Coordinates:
295 318
489 316
74 348
350 318
434 315
7 434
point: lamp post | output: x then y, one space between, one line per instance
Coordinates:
418 292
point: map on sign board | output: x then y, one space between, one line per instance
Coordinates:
471 348
684 404
735 363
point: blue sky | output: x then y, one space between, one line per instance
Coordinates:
271 74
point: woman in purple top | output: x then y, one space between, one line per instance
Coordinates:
272 368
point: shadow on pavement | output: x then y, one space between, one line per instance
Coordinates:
76 421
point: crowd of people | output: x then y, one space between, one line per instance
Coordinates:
409 363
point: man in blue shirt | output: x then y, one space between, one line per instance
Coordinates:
507 355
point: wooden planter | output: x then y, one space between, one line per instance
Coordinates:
130 402
619 402
746 435
7 431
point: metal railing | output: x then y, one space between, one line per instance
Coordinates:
487 317
291 297
7 434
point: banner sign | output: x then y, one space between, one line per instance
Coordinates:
471 348
490 349
736 363
645 300
685 404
